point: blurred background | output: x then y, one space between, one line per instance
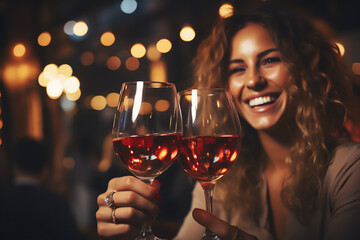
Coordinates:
62 64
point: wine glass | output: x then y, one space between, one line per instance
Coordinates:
147 131
211 138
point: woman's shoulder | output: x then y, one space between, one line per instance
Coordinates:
345 155
345 163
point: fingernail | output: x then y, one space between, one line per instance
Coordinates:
158 197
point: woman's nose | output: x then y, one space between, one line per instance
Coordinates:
256 82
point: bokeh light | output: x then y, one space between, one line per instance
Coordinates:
152 53
44 39
113 63
107 39
54 88
112 99
138 50
69 27
87 58
73 96
162 105
163 45
71 85
132 64
19 50
98 102
128 6
80 28
187 34
65 69
226 10
356 68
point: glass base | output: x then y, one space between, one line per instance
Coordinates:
210 236
146 233
147 237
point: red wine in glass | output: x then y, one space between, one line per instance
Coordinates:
146 132
147 156
211 138
208 158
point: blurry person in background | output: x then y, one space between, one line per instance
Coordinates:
28 209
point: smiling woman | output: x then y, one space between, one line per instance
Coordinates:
298 173
293 94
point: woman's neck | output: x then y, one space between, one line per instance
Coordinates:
275 150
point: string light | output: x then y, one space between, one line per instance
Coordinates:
187 34
226 10
44 39
107 39
138 50
163 45
80 29
19 50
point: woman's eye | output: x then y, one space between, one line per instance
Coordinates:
270 60
236 70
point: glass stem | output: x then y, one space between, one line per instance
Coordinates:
209 191
146 231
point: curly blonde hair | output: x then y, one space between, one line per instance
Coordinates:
321 89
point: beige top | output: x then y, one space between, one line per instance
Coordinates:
338 217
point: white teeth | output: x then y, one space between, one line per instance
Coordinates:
260 101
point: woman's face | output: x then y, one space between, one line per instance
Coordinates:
258 78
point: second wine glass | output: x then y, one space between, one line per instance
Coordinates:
211 138
146 132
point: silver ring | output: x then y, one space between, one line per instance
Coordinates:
109 200
113 216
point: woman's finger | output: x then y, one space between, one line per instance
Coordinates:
224 230
118 231
130 183
122 215
131 199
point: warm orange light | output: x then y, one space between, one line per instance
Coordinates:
19 50
158 71
98 102
187 34
145 108
226 10
341 48
132 64
112 99
113 63
138 50
107 39
44 39
54 88
65 69
73 96
356 68
162 105
87 58
16 75
163 45
80 28
71 84
152 53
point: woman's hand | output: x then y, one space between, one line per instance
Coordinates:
224 230
134 204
